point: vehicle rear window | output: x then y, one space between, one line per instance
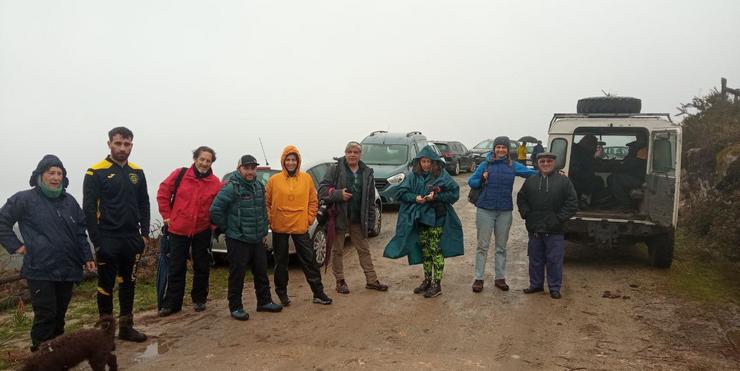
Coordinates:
385 154
443 147
486 144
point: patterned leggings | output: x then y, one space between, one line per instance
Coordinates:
434 261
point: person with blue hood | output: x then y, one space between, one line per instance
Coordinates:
495 176
54 246
428 229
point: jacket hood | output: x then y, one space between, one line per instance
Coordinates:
45 163
286 151
430 154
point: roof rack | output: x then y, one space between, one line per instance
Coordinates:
413 133
378 132
613 115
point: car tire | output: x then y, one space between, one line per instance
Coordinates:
457 168
319 245
375 229
660 250
609 105
472 166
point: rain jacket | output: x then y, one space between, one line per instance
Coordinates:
330 190
239 209
496 195
189 215
53 231
291 199
411 214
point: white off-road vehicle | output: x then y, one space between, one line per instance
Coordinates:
626 169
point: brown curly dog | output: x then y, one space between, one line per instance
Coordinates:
67 351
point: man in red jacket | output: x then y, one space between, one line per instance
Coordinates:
188 224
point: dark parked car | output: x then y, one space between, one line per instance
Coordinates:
481 149
456 155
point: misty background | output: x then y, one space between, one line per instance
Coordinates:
317 74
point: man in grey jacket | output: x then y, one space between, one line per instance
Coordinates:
350 187
546 201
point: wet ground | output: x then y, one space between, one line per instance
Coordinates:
639 325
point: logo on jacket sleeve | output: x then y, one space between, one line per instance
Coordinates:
133 178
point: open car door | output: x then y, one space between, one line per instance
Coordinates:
662 183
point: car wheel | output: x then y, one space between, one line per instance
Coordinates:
660 250
375 229
472 166
319 245
457 168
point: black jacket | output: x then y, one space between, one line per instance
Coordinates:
115 200
53 232
547 202
336 179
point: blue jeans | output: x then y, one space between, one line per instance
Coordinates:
546 250
487 222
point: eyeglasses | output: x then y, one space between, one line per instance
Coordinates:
545 160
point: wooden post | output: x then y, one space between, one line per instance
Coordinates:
724 87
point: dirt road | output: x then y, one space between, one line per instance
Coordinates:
645 328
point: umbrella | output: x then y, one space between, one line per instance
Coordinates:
163 266
528 139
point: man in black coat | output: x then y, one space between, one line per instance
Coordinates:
546 201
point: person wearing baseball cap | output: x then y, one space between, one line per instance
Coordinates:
546 201
240 211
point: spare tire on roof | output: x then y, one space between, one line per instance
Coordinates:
609 105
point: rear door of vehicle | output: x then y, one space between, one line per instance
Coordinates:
662 181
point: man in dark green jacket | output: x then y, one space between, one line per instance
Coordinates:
239 210
350 187
546 201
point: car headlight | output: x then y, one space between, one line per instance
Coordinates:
397 179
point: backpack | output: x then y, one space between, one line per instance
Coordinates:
474 193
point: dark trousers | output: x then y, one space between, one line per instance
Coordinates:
243 255
179 248
117 258
546 251
306 256
49 300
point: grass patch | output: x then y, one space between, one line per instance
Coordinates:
700 276
15 324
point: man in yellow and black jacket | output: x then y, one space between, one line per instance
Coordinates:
116 205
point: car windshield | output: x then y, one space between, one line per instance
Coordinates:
385 154
486 144
442 146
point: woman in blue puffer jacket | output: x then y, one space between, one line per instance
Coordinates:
494 206
54 247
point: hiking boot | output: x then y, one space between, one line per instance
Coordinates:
435 289
321 298
270 307
376 286
342 287
532 290
164 312
423 287
126 330
239 314
284 299
199 307
478 286
501 284
555 294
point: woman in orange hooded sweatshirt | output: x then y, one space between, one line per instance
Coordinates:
291 206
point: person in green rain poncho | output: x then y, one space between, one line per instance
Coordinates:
428 229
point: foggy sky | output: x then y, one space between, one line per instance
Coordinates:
320 73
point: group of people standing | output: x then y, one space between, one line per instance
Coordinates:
195 204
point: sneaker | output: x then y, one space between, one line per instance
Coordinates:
423 287
434 290
555 294
284 299
478 286
270 307
532 290
199 307
164 312
342 287
240 315
376 286
321 298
